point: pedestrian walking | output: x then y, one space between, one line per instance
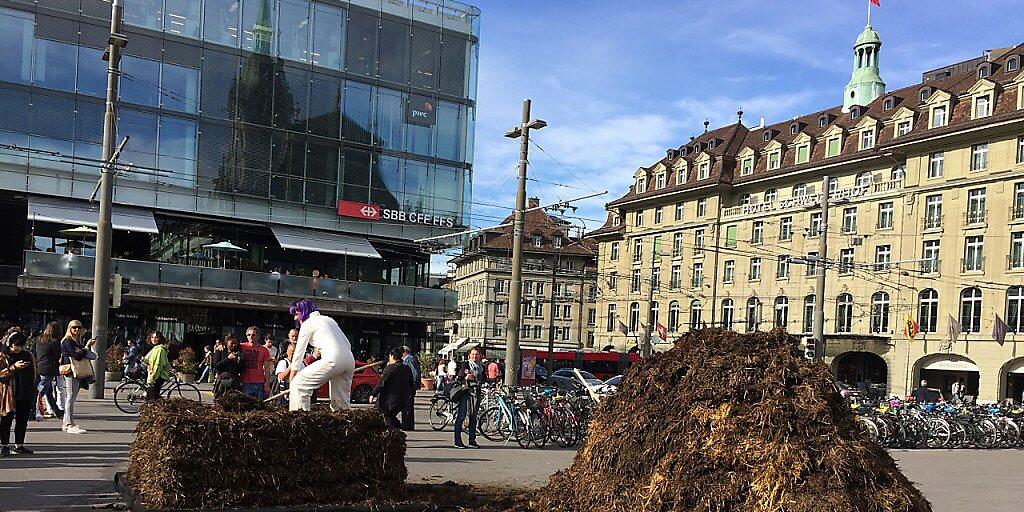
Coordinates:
921 392
466 391
493 370
228 366
158 366
204 368
73 349
409 413
51 386
392 391
441 376
18 392
259 366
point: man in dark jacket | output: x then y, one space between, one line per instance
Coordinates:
468 377
393 390
48 363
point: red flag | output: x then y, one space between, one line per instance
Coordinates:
877 2
662 331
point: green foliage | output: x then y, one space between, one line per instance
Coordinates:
186 362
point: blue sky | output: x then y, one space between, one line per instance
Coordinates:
620 82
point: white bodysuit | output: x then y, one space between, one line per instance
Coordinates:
335 366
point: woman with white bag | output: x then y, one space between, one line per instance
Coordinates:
76 371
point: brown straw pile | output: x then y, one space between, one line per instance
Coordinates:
188 455
729 422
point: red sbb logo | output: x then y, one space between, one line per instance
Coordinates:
358 210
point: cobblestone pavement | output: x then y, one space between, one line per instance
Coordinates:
75 472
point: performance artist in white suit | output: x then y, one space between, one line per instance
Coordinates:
336 364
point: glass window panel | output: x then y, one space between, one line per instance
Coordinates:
217 96
293 30
327 30
386 181
357 168
358 112
390 119
15 108
13 156
425 50
360 43
249 156
322 161
255 90
393 63
55 65
139 79
16 34
449 131
144 13
89 122
284 188
417 187
178 143
419 137
291 96
220 21
214 141
182 17
180 88
321 194
325 106
141 149
289 154
46 109
453 64
258 26
446 190
92 72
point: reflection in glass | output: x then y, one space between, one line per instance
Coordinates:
449 130
293 30
140 127
446 190
360 43
453 65
214 140
426 45
357 113
327 30
258 26
88 135
14 139
139 79
284 188
180 88
182 18
289 154
92 78
16 33
48 135
325 106
247 169
178 151
144 13
322 161
290 109
417 187
321 194
356 175
393 63
220 71
220 21
55 65
386 182
418 139
390 119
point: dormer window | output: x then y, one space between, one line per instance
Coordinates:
833 146
984 71
1012 64
794 128
803 154
982 106
641 184
867 139
938 117
680 176
536 240
704 171
925 94
767 136
774 160
557 242
888 104
854 112
822 121
616 220
659 181
747 166
711 144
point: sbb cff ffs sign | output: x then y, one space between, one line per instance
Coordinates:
367 211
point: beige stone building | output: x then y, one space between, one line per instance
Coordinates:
559 286
926 225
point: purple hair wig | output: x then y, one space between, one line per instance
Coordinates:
303 307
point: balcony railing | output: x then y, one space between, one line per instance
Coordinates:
1017 212
930 266
148 272
933 221
972 217
972 264
1015 261
887 186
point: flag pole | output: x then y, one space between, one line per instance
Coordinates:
869 12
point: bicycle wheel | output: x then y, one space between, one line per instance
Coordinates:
868 429
128 396
538 428
522 429
186 391
494 425
438 414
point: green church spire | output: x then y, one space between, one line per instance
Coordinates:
262 30
866 83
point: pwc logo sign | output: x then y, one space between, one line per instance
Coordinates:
363 211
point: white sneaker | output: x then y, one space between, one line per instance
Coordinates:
64 427
75 429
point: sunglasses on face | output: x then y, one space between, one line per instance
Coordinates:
75 327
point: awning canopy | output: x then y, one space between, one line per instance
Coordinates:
82 213
952 365
319 241
449 348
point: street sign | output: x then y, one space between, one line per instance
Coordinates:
359 210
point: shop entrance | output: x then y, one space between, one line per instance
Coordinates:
941 371
863 370
1013 381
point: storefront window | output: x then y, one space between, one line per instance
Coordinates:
180 88
327 30
178 151
293 30
220 21
16 33
139 81
393 63
390 119
361 43
55 65
357 114
181 17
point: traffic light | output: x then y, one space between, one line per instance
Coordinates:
808 343
120 290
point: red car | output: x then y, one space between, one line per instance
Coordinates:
363 384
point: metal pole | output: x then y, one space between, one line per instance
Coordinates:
819 292
551 319
104 232
646 349
515 293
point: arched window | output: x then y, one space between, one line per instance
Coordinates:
771 195
880 312
695 313
844 312
833 185
728 314
799 190
928 310
744 199
673 316
634 317
970 310
781 311
753 314
864 179
808 313
898 173
1015 308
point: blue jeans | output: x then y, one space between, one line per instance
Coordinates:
254 391
48 388
460 417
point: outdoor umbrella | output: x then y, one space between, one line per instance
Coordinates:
80 231
224 247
